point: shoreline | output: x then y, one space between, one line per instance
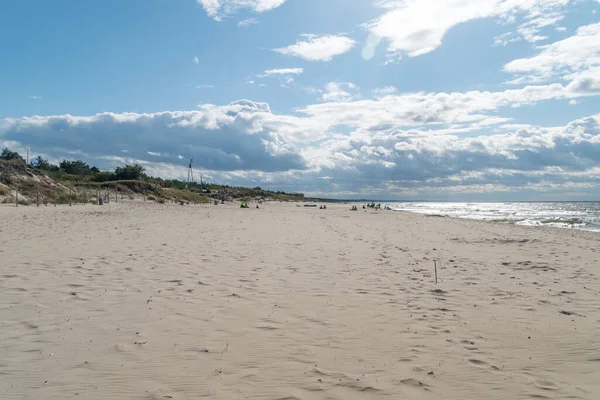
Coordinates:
510 223
553 218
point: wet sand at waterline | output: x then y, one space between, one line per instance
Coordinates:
150 301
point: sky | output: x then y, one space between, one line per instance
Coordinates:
391 99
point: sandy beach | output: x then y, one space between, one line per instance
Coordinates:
150 301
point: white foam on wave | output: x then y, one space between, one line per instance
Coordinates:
571 215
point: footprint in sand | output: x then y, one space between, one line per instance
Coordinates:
478 363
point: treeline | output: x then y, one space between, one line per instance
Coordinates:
78 171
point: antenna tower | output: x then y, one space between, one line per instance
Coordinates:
190 171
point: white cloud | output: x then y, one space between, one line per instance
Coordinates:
573 54
530 29
244 142
384 91
561 29
204 86
196 60
282 71
529 158
506 38
434 109
241 135
312 90
318 48
586 82
417 27
247 22
395 143
217 9
285 75
338 92
35 97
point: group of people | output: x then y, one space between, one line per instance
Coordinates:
371 205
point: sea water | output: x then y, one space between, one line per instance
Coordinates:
572 215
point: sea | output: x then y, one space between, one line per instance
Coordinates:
568 215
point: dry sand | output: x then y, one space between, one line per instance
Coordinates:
149 301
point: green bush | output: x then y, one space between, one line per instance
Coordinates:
7 179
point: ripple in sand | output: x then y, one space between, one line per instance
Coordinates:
479 363
414 383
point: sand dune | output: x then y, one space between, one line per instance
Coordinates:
149 301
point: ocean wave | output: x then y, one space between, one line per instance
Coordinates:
571 215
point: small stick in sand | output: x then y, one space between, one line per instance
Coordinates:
435 268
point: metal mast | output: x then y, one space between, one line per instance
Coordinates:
190 171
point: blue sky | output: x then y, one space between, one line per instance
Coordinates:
427 99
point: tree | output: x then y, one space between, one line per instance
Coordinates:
75 167
41 163
10 155
130 172
104 176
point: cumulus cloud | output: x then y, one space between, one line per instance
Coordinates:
462 110
339 91
573 54
217 9
418 27
318 48
400 144
586 82
514 160
241 135
196 60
